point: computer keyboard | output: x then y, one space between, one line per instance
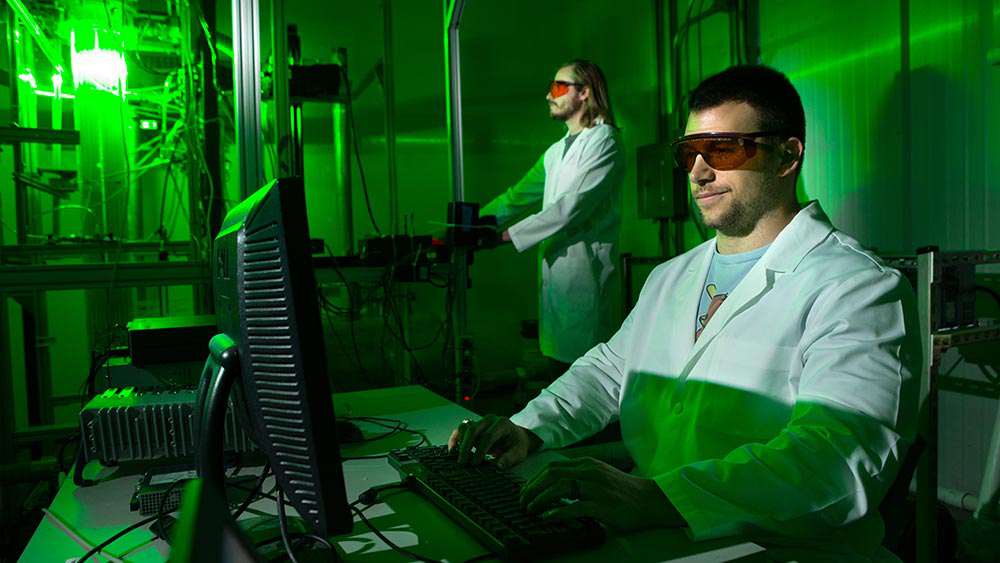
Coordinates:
484 500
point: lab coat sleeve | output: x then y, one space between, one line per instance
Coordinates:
584 399
583 189
519 198
853 417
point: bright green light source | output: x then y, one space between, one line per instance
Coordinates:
57 81
28 77
102 68
47 94
149 124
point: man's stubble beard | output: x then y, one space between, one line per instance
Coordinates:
564 114
740 218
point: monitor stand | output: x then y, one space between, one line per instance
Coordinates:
221 370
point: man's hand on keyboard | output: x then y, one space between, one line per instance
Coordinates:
589 487
495 435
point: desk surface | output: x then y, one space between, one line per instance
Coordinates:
96 513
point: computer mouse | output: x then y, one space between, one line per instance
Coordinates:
348 433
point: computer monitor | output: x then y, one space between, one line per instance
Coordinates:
270 346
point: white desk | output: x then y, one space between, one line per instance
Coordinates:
96 513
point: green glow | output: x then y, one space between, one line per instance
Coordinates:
48 94
50 52
886 47
103 68
149 124
28 77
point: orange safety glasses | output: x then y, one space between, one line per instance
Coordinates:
559 87
721 151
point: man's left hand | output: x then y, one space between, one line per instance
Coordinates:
505 236
619 500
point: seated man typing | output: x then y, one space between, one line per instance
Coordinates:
764 381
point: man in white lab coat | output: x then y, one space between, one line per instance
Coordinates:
764 381
577 183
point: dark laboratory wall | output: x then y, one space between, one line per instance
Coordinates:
510 51
902 144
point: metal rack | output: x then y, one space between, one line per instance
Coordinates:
930 265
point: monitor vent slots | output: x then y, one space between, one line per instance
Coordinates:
273 360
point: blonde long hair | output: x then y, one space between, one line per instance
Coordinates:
597 107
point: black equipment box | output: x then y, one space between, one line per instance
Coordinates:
161 340
125 425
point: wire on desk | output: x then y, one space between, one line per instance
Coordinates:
371 497
285 537
387 541
257 487
100 547
283 525
397 427
160 513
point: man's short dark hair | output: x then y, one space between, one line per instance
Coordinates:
766 90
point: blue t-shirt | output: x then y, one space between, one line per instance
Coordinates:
724 274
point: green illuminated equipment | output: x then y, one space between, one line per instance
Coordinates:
98 59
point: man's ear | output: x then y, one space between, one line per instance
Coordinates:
791 156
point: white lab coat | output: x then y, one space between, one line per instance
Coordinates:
786 420
577 233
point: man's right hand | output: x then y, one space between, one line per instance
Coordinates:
507 442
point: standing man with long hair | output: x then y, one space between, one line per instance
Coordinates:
578 184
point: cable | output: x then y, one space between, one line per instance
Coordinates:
357 150
989 291
251 497
384 421
283 525
99 547
160 531
387 541
351 308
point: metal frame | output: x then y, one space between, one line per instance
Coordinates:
460 277
114 275
389 87
11 135
287 156
930 264
246 90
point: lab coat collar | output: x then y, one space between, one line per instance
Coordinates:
808 228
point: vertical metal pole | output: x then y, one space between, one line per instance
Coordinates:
927 422
459 262
212 129
56 149
752 32
661 75
389 84
906 130
246 84
342 131
7 421
282 105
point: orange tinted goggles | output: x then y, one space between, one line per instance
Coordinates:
721 151
559 87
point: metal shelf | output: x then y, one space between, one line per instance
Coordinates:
988 329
